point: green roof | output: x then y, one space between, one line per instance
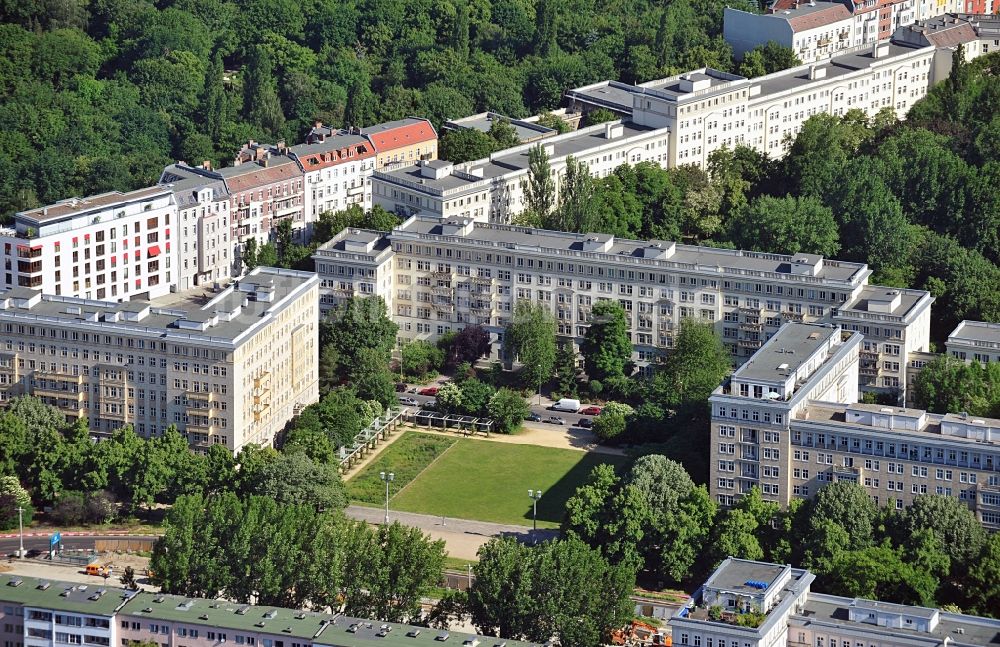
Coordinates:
355 632
227 615
93 599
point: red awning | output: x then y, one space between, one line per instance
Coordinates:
153 251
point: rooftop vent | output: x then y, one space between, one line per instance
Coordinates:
270 615
185 605
287 630
259 624
441 637
412 633
158 599
353 629
242 611
300 616
15 581
203 616
43 586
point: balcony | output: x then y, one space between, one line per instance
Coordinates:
751 326
480 280
750 343
792 316
823 42
442 289
200 396
200 427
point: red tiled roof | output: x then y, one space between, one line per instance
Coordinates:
406 135
257 175
820 18
962 33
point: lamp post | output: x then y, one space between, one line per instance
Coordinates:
534 495
387 477
20 531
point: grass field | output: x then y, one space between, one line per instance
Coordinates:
489 481
406 458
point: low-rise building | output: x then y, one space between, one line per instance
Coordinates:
813 30
404 141
976 341
231 371
756 604
789 422
113 246
527 131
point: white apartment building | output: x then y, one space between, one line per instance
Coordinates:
113 246
490 190
977 341
85 615
231 371
789 422
791 614
337 171
204 249
441 276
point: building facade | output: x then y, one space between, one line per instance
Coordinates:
756 604
231 371
789 422
976 341
439 276
113 246
204 249
337 171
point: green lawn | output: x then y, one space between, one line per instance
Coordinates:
405 458
489 481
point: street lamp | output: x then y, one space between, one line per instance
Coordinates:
534 495
20 531
388 479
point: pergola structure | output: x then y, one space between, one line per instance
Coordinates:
369 437
466 424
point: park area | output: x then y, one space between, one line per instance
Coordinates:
477 479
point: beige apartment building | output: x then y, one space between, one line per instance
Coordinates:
231 371
442 276
789 422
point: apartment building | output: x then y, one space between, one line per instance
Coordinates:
266 185
977 341
490 190
40 613
789 422
442 276
114 246
404 141
231 371
792 614
204 249
337 171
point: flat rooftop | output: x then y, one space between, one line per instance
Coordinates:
952 628
355 632
734 574
970 331
79 206
695 258
214 315
510 161
784 353
65 596
835 413
614 95
526 131
896 302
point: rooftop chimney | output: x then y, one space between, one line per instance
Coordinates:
207 165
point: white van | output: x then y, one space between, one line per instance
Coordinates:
567 404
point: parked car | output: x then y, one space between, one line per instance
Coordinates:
586 423
591 411
555 420
429 406
534 417
429 390
400 387
410 402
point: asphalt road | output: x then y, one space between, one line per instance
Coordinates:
541 409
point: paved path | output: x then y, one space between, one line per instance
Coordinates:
463 537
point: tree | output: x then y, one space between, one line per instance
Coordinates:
358 111
786 225
507 409
984 576
576 210
545 27
845 505
268 255
606 513
127 579
359 323
260 93
476 397
12 497
947 385
465 144
693 369
539 189
420 358
599 116
470 344
213 99
449 398
879 573
294 478
371 378
503 133
250 254
959 534
460 31
736 536
607 345
567 371
531 338
611 423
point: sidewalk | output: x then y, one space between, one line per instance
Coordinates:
539 434
463 537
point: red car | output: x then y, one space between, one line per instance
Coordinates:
430 390
590 411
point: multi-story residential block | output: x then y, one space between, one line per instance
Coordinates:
814 30
791 614
231 371
204 249
977 341
788 422
337 171
404 141
527 131
491 189
441 276
113 246
266 185
40 613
